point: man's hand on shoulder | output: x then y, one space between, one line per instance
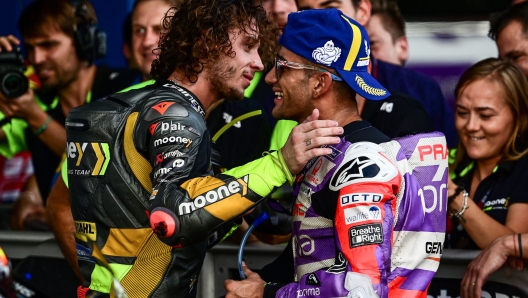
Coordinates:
306 139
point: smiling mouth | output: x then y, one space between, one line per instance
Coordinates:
476 138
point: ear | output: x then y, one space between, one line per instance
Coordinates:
402 48
363 12
323 84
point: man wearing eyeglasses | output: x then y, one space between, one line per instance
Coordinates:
354 233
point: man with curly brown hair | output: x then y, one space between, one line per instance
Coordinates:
139 161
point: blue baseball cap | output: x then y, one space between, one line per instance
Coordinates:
328 37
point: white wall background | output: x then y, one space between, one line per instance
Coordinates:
449 43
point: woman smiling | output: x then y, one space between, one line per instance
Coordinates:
488 193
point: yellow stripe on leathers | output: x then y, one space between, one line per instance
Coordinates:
141 167
148 269
125 242
223 209
354 48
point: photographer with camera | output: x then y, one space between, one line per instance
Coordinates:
62 42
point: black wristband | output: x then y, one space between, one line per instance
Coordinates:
519 240
452 197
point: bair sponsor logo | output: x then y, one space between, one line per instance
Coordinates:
171 126
361 214
171 141
365 235
238 186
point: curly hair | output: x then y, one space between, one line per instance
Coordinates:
198 32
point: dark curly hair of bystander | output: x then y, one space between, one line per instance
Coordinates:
197 33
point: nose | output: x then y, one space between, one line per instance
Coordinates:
36 56
271 77
473 123
277 6
150 38
256 64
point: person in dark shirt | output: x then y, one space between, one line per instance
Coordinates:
487 194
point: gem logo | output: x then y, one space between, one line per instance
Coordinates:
232 188
171 126
349 199
433 247
361 214
365 235
172 140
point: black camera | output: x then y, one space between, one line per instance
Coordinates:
13 82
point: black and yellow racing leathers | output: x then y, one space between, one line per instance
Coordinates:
139 165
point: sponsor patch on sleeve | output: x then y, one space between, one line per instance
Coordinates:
354 198
361 214
365 235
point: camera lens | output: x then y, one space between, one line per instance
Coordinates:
14 84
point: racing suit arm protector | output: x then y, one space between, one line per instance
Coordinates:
200 205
